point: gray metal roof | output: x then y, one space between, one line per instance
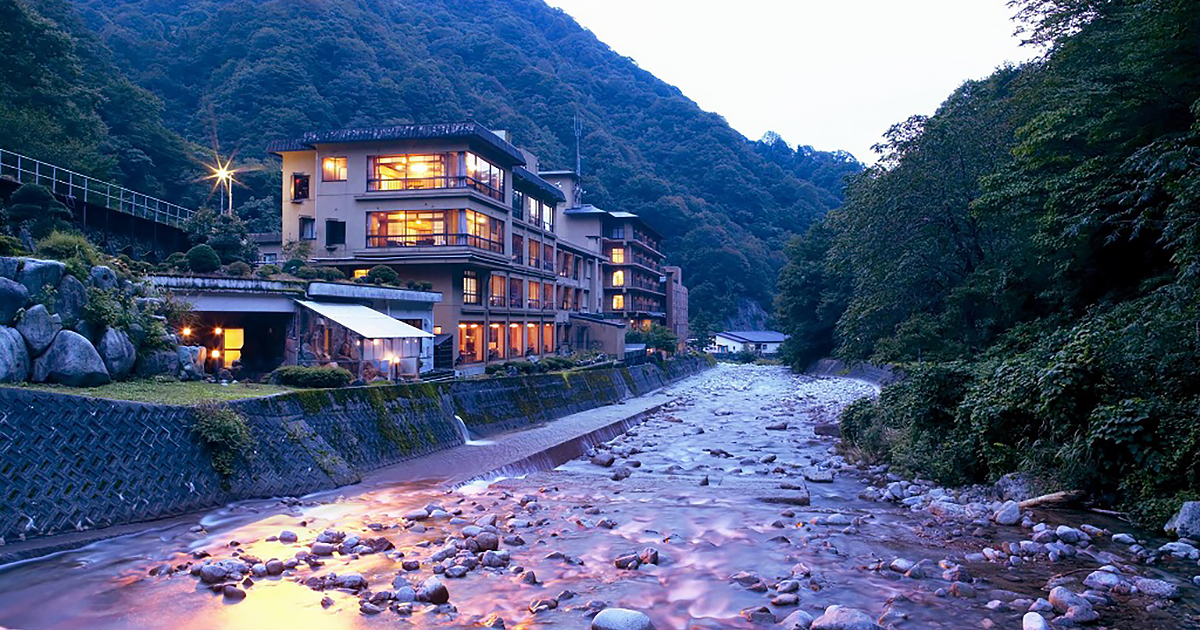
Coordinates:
468 129
524 175
755 336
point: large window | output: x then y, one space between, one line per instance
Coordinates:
484 176
410 172
618 302
335 232
548 296
496 289
535 295
470 287
617 255
618 278
308 229
333 169
548 217
434 228
518 249
518 205
485 232
496 346
516 340
548 257
470 343
515 299
535 253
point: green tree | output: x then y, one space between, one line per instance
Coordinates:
35 208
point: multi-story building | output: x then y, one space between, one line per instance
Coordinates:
635 287
459 207
677 304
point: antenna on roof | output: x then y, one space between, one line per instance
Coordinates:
578 160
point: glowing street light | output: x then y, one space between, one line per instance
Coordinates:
222 175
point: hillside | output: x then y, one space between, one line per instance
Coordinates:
1031 254
245 73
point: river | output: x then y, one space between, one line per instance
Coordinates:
718 495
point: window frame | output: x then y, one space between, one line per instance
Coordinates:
341 165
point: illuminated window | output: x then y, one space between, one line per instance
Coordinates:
617 255
408 172
333 169
618 302
618 278
299 186
232 341
437 330
470 287
484 231
360 273
484 176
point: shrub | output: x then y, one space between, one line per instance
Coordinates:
292 265
35 207
312 377
178 261
266 271
419 286
104 308
225 433
494 368
10 246
382 274
203 259
179 313
745 356
73 249
557 363
238 269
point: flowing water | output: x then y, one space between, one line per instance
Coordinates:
711 490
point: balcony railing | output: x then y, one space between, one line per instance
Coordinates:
498 301
516 302
533 304
435 240
535 262
548 266
434 183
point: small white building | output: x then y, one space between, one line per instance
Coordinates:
763 342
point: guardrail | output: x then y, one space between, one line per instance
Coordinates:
87 189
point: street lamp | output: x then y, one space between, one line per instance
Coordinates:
222 176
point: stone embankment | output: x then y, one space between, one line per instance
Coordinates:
49 331
90 463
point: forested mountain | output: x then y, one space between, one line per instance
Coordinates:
244 72
1031 255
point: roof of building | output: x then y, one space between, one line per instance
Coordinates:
524 175
754 336
266 238
467 129
367 322
561 173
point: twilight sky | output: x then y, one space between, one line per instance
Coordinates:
834 74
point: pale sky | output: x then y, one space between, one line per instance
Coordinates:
834 74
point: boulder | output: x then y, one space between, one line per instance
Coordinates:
70 360
13 296
1008 514
621 619
798 620
1186 522
14 357
39 327
36 274
117 351
1034 621
102 278
8 267
191 362
842 618
160 362
72 296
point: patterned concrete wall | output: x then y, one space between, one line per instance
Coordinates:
71 463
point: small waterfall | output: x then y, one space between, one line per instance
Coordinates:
466 435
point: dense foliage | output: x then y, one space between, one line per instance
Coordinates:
239 73
312 376
1030 254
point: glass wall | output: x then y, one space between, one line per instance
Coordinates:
424 171
496 347
470 342
548 338
516 340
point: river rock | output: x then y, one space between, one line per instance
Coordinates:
71 298
37 274
8 267
828 429
433 591
1034 621
798 620
1157 588
1186 522
604 459
14 356
1124 539
351 581
70 360
1063 599
843 618
621 619
1102 580
13 296
102 278
117 351
38 327
1008 514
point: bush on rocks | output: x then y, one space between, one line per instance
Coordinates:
312 377
225 433
382 274
238 269
203 259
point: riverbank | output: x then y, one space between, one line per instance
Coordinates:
87 464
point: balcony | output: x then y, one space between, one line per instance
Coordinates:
377 241
439 182
497 301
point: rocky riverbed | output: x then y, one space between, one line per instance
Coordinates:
729 508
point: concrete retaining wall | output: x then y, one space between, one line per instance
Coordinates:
876 375
71 463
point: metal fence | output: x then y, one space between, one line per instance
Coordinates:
85 189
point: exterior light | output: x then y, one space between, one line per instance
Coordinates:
531 325
495 325
514 325
218 330
462 325
187 332
216 354
474 325
375 342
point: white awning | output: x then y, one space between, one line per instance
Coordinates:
367 322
